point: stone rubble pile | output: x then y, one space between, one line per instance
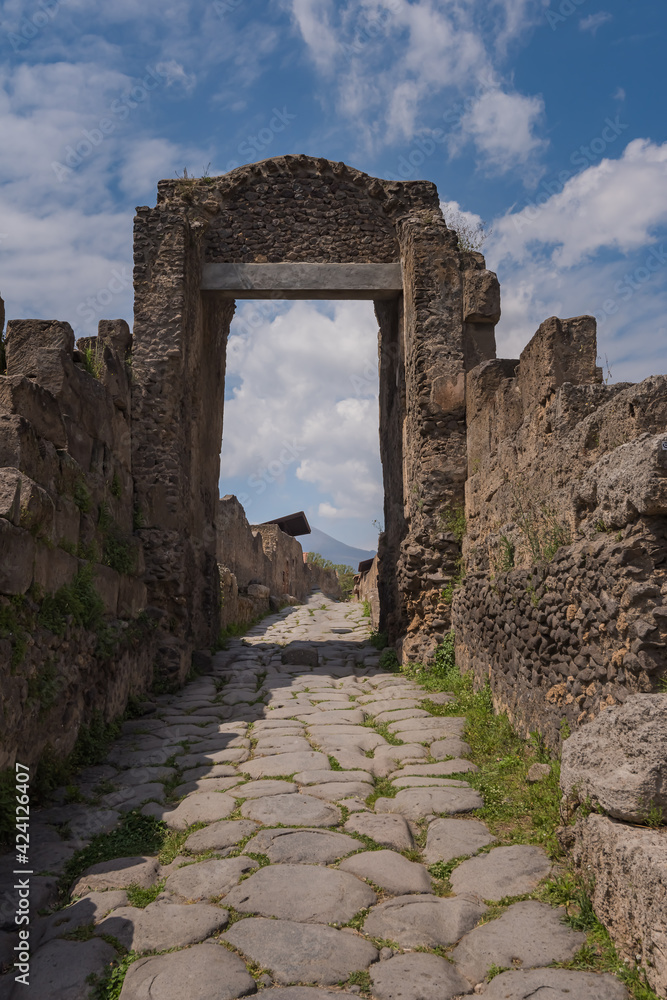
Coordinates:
290 883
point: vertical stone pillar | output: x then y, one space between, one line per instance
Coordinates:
392 409
434 437
178 363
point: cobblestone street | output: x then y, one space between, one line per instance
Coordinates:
322 803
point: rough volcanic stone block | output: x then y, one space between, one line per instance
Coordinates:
18 554
629 867
619 759
481 297
391 871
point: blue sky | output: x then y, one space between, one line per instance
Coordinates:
544 120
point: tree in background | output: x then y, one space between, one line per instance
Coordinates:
345 574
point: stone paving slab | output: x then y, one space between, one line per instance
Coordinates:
504 871
163 924
286 763
424 921
417 977
455 838
391 871
60 969
200 807
390 831
204 972
302 846
417 803
301 953
117 874
303 893
208 879
298 809
527 934
218 836
554 984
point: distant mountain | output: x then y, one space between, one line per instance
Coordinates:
331 548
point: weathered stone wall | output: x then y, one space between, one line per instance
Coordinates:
290 209
563 606
366 589
614 783
66 502
261 567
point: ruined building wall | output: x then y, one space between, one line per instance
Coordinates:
290 209
564 602
66 502
261 567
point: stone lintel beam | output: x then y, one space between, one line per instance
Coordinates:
303 281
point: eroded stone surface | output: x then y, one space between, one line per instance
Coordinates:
417 977
527 934
391 871
415 803
117 874
306 953
218 836
299 846
208 879
201 807
504 871
204 972
390 831
60 969
455 838
554 984
292 810
163 924
302 892
424 920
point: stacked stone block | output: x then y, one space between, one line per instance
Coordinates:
66 502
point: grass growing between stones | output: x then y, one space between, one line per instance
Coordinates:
599 953
135 835
514 810
519 812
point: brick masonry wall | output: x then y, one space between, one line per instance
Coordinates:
564 604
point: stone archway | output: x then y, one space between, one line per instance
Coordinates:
299 226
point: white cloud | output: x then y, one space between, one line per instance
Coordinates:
502 127
387 63
285 416
597 247
594 22
616 204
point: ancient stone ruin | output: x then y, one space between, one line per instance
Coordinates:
525 506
